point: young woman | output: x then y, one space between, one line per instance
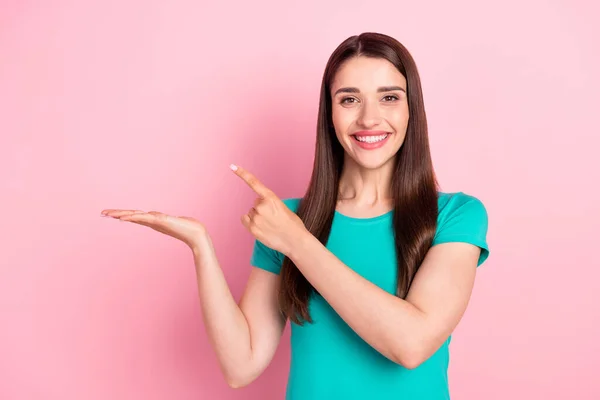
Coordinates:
373 266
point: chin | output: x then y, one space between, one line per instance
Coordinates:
372 162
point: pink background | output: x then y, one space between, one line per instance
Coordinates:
143 104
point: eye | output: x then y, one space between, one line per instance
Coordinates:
343 101
393 97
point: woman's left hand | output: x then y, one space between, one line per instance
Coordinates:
270 220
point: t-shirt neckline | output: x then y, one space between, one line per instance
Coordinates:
376 218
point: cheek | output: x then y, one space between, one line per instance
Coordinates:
341 121
399 118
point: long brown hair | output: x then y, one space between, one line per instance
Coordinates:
414 185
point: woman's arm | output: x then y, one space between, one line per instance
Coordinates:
406 331
244 337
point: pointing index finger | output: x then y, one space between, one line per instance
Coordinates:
252 181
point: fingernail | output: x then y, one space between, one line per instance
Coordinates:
233 167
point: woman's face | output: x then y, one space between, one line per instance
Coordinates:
369 110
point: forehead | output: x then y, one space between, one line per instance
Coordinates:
367 73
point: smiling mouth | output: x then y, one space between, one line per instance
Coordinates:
371 138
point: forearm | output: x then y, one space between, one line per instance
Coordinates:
225 324
391 325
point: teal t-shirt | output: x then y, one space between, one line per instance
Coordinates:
328 359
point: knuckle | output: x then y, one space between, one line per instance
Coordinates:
259 207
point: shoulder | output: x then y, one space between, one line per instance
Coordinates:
292 203
266 258
462 218
459 202
460 213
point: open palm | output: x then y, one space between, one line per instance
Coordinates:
186 229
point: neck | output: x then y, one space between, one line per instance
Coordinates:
364 186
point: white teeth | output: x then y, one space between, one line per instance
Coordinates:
371 139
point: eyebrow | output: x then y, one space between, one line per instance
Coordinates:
379 90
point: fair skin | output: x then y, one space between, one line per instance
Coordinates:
368 94
407 331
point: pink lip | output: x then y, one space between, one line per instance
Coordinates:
370 146
369 133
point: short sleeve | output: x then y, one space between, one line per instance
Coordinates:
266 258
464 218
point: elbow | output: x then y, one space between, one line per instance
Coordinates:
237 374
414 351
238 381
411 363
409 359
236 384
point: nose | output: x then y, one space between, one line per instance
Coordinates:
370 115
